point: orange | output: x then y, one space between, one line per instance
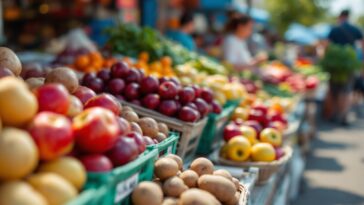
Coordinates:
263 152
277 107
95 56
166 61
144 56
82 62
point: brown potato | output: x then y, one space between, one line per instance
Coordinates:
165 168
223 173
147 193
130 116
170 201
136 128
234 200
222 188
65 76
174 187
10 60
149 126
160 137
202 166
190 178
34 83
177 159
197 197
236 183
163 128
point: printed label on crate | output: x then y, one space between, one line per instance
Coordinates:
169 150
124 188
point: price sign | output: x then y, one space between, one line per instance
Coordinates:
124 188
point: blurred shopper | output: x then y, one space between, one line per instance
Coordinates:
235 47
340 95
183 34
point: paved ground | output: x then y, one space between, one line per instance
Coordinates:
335 169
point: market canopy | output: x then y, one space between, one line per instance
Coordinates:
259 15
300 34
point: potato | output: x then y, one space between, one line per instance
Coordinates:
127 108
177 159
197 197
163 128
149 127
136 128
147 193
10 60
65 76
202 166
236 183
223 173
234 200
174 187
34 83
130 116
222 188
165 168
170 201
190 178
158 181
160 137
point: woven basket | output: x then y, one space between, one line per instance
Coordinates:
266 169
243 200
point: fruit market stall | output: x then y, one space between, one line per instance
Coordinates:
144 122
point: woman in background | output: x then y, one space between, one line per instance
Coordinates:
235 47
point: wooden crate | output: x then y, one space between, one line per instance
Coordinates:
190 133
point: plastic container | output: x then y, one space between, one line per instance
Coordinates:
212 133
114 187
167 146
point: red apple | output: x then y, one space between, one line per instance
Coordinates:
133 76
216 107
75 107
119 70
116 86
256 125
53 97
124 151
139 140
53 135
188 114
192 105
84 93
230 131
168 90
175 81
131 91
96 163
149 84
278 117
206 94
96 85
279 152
88 77
141 73
168 107
136 102
5 72
277 125
151 101
202 107
163 79
186 95
106 101
259 116
261 107
312 82
96 130
148 140
124 126
104 75
197 91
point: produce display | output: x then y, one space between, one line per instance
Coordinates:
166 95
200 184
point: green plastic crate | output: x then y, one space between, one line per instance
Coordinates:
213 130
167 146
114 187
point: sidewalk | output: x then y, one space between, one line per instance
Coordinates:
335 169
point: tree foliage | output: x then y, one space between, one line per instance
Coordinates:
285 12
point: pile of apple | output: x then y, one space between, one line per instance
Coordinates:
255 132
165 95
53 131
